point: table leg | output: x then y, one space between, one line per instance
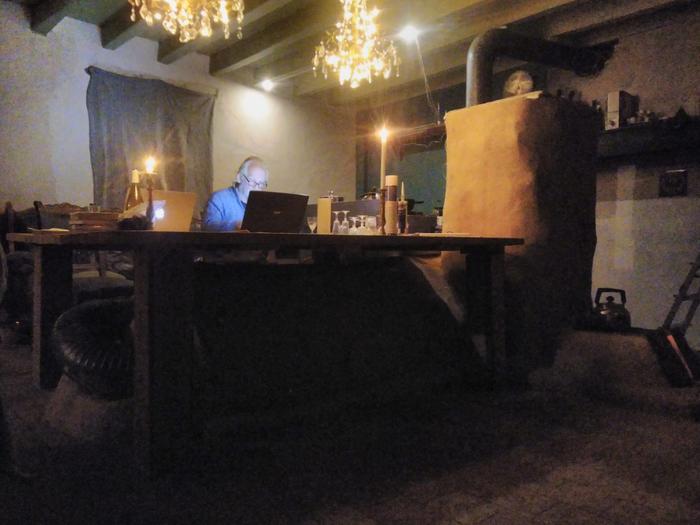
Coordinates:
162 357
53 295
485 302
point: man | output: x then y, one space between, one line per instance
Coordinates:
226 207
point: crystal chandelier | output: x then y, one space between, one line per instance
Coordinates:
190 17
353 50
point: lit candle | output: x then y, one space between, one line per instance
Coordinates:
150 165
383 135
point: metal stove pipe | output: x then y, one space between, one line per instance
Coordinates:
485 48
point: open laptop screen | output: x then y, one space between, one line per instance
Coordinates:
175 213
274 212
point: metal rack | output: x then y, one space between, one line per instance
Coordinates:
682 297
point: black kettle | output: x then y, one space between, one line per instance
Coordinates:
610 315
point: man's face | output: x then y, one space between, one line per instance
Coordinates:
256 180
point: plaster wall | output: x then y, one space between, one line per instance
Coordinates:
645 242
44 143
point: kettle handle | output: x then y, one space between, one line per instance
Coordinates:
601 291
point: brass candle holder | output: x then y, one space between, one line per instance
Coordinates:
150 212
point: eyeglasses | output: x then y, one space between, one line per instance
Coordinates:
254 183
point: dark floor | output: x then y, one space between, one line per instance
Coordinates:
599 438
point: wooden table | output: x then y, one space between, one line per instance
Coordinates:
163 292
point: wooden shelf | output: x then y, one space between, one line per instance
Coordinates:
653 138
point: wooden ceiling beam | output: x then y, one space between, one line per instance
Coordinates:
315 19
172 49
119 29
286 69
292 65
447 48
576 18
275 38
47 14
299 63
255 12
588 16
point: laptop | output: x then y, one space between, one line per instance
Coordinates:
173 210
274 212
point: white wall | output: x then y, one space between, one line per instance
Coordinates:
645 242
44 149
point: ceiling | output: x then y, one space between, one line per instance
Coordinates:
279 36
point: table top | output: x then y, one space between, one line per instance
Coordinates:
244 240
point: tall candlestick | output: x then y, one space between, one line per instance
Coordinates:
403 211
150 212
383 135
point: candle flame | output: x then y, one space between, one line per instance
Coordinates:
150 164
383 134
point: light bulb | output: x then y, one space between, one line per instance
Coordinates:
267 84
409 34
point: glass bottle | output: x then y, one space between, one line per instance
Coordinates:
134 195
437 211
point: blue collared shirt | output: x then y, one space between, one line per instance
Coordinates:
224 211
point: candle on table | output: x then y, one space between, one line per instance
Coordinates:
391 205
383 135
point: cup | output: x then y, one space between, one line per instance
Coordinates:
372 224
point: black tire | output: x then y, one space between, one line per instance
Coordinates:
93 343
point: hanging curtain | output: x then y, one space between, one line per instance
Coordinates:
131 118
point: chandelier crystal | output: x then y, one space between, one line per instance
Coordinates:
190 17
353 50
